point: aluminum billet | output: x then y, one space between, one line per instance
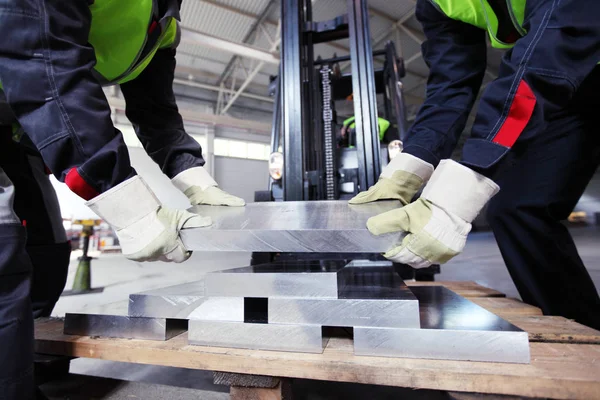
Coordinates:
282 279
111 320
176 301
452 328
369 295
296 338
306 226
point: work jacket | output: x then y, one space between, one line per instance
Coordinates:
54 60
552 46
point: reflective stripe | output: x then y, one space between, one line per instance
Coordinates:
519 114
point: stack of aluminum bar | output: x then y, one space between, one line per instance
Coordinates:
285 306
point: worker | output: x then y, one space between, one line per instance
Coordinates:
534 145
348 132
55 57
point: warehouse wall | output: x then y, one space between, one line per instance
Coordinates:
241 177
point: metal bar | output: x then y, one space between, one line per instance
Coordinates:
111 320
452 328
211 119
255 25
203 39
371 294
220 89
334 60
291 98
276 122
304 227
308 280
177 301
296 338
365 102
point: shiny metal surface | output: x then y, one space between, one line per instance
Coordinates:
296 338
111 320
311 226
220 309
372 296
282 279
452 328
176 301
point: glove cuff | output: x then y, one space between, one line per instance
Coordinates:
409 163
459 190
196 176
126 203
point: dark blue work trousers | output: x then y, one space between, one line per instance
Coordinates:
542 181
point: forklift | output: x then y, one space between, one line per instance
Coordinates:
308 161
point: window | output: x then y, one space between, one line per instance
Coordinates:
240 149
202 140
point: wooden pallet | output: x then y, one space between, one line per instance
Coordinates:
565 358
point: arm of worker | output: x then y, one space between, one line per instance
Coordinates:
456 55
46 69
538 80
152 109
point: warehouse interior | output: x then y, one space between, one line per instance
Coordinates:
227 60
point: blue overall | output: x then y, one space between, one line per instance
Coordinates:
535 133
46 69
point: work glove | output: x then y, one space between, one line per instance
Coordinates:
197 184
400 180
437 224
147 230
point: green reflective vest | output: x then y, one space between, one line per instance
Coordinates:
121 36
383 124
499 19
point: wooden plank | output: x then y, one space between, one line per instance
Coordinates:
283 391
555 329
463 288
506 307
557 370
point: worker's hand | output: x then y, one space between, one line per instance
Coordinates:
197 184
400 180
437 224
147 231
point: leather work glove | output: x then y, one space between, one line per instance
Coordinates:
197 184
400 180
439 221
147 230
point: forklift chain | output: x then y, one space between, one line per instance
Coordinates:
328 132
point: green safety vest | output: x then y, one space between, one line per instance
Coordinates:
480 13
382 123
121 40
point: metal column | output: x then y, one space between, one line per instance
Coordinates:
291 100
365 102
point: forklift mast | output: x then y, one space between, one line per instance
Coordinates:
304 115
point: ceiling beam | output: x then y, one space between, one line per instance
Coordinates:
247 38
218 89
208 119
194 37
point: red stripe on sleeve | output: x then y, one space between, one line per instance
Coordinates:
518 116
79 186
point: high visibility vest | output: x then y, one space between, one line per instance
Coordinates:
382 123
125 36
502 19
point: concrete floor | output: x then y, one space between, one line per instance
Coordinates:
480 262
